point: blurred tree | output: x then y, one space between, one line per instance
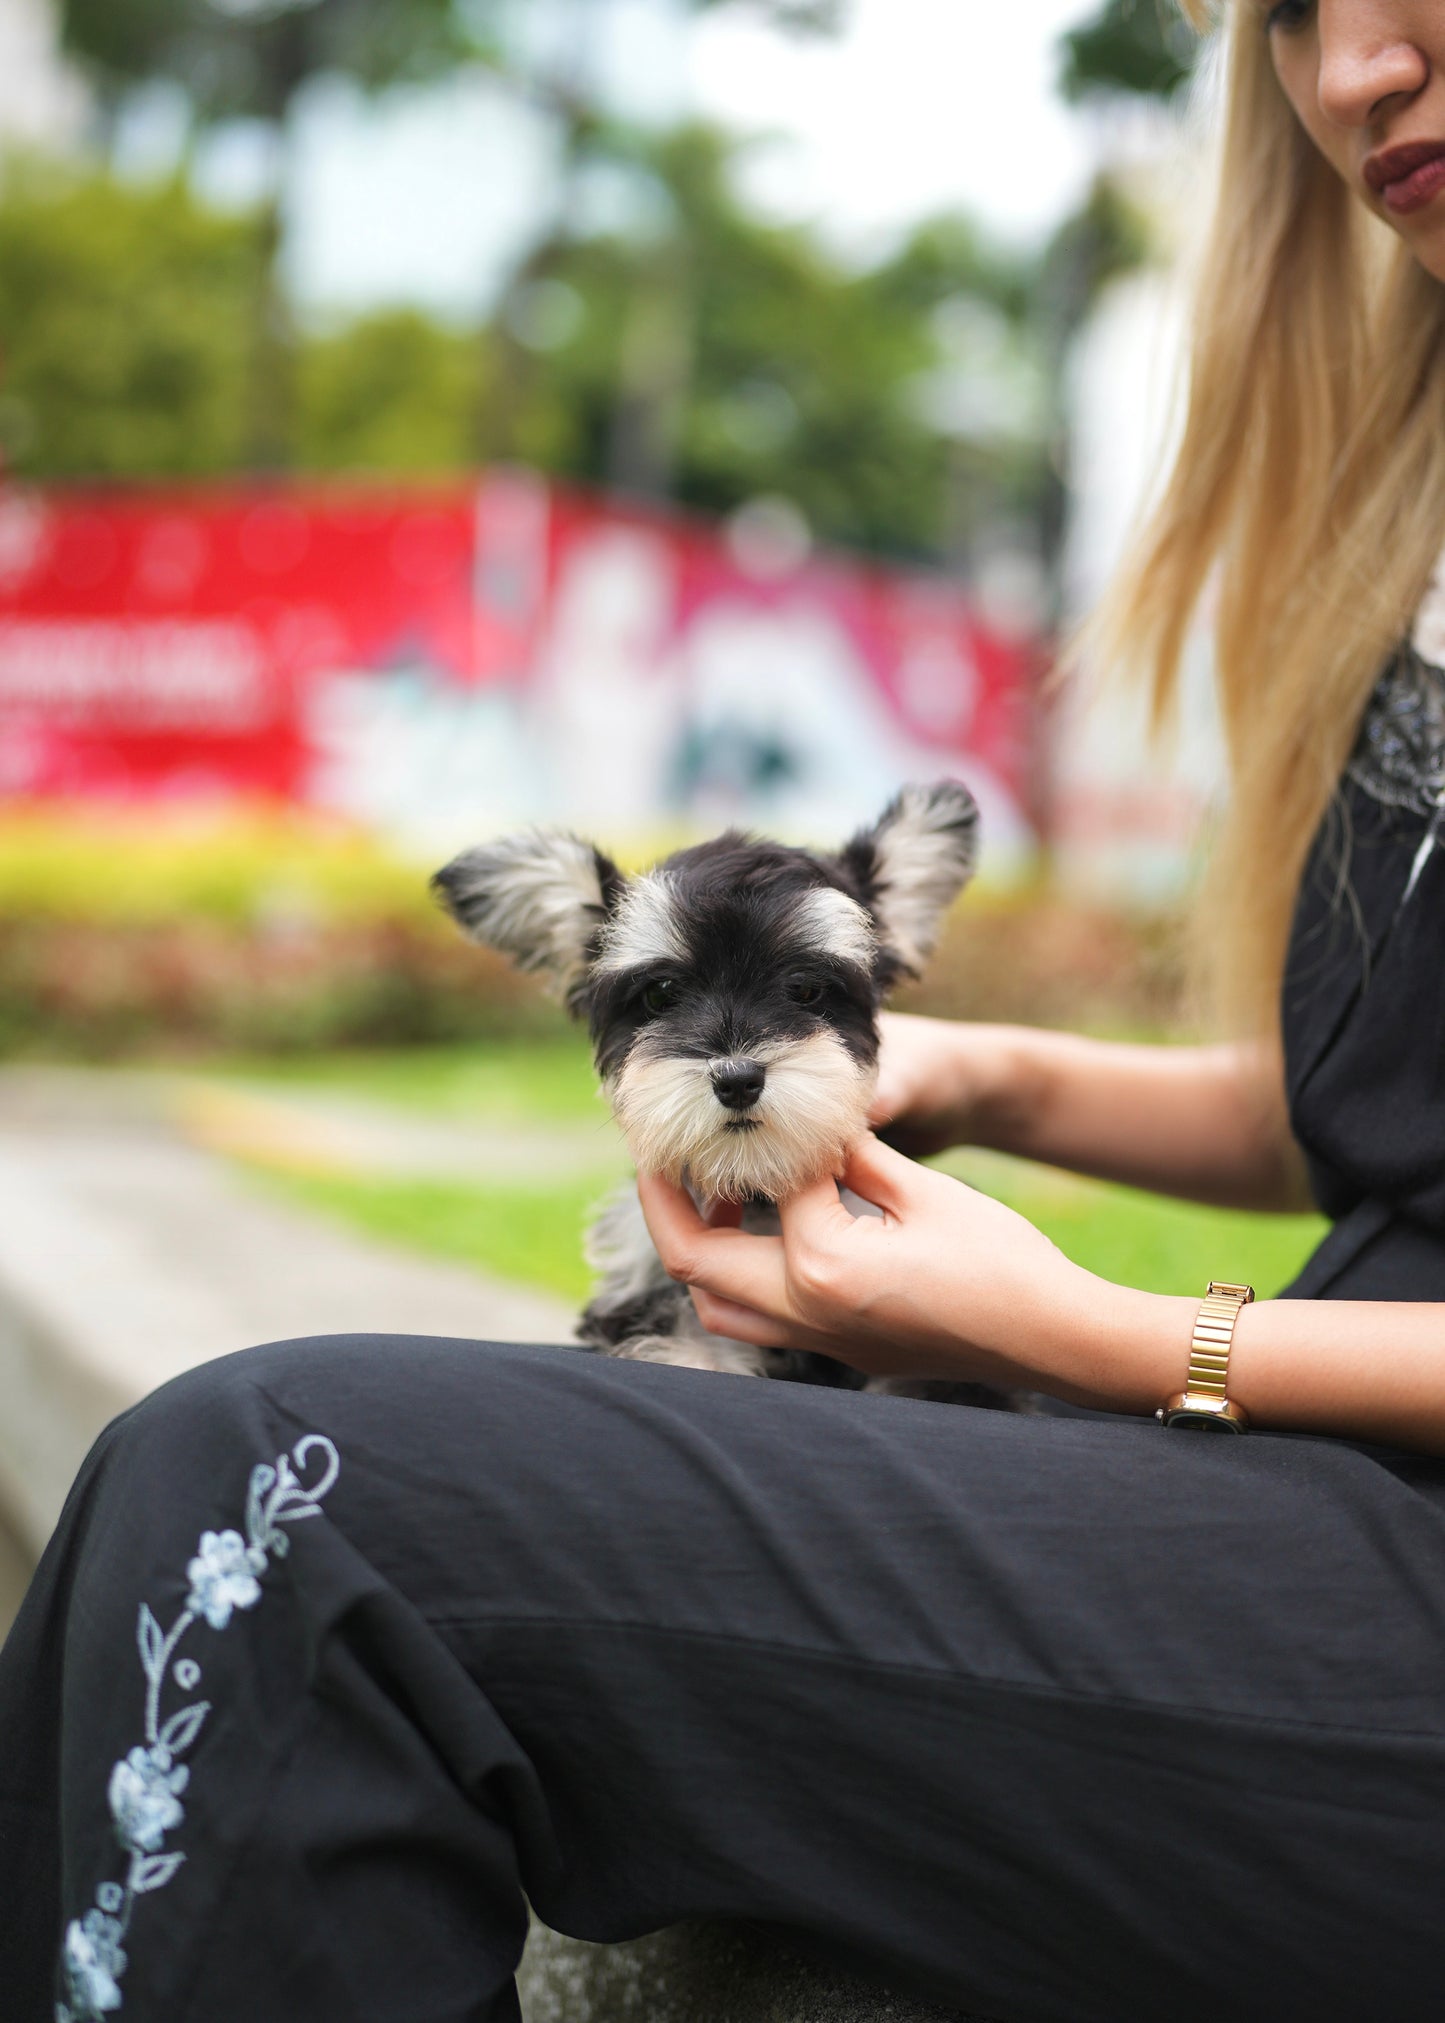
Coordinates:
657 350
802 377
1140 47
251 58
123 316
392 393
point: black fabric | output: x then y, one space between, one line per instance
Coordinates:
924 1685
1363 1009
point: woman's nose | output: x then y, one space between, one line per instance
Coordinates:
1367 58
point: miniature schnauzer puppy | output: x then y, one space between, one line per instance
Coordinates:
732 995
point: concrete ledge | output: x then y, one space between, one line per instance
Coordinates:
127 1258
699 1974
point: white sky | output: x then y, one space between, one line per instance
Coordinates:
920 106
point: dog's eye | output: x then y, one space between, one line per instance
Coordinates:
659 995
802 990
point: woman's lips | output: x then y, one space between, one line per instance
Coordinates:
1407 178
1413 192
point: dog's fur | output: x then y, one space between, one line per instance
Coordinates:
732 995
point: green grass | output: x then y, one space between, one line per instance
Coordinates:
534 1235
530 1235
1140 1239
502 1081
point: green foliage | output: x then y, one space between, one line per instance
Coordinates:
251 57
123 320
393 392
1139 47
796 375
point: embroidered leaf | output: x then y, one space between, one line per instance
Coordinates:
182 1729
152 1643
154 1872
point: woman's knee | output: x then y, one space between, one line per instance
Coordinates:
377 1394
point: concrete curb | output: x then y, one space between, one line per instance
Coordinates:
699 1973
127 1259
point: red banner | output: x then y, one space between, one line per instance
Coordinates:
428 660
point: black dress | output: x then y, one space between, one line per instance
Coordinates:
341 1645
1364 1004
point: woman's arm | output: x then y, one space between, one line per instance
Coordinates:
1207 1123
949 1283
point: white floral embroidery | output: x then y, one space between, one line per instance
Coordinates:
145 1798
223 1577
146 1784
94 1963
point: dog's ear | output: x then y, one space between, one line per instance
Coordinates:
539 897
913 863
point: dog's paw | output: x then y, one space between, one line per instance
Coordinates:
734 1359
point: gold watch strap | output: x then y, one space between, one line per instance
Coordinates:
1214 1337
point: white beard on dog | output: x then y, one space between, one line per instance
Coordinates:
813 1103
732 994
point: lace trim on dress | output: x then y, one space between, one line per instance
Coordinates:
1399 754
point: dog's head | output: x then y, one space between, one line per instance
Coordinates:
732 991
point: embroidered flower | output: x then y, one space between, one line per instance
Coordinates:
145 1786
144 1799
222 1578
94 1963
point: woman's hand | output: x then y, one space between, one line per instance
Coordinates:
931 1082
946 1283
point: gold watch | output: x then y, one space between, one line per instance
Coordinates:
1205 1404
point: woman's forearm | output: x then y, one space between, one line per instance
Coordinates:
1365 1370
1205 1123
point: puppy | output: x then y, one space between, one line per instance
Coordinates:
732 995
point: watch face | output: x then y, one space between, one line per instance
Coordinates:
1183 1420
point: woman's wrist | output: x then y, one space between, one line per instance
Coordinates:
996 1087
1122 1350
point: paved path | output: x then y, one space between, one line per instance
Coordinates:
128 1252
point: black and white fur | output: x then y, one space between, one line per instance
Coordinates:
732 995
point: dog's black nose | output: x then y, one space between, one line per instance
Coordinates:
738 1084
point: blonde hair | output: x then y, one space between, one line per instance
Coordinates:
1307 497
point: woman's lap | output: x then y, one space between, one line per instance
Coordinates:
1049 1718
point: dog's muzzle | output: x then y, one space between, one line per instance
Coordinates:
738 1083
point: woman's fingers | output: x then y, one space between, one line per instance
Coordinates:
671 1216
879 1174
748 1270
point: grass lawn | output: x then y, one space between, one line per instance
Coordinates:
532 1233
501 1081
1139 1239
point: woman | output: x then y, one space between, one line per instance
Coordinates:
1055 1717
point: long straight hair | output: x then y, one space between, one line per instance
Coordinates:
1306 498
